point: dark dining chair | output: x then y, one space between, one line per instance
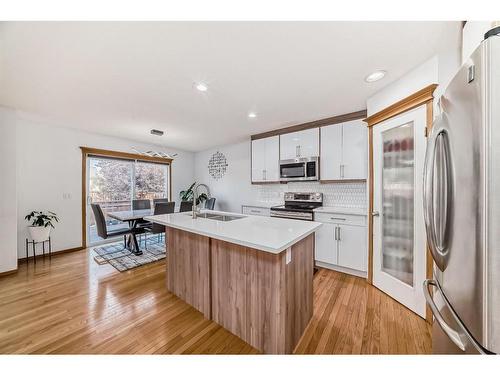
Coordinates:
160 209
210 204
160 200
141 204
102 229
186 206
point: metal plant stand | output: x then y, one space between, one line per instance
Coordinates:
33 244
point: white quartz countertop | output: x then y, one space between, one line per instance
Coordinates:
268 234
342 210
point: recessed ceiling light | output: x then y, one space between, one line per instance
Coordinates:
375 76
252 115
201 87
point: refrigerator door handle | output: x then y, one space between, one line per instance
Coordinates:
427 190
437 237
453 335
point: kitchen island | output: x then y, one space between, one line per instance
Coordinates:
252 275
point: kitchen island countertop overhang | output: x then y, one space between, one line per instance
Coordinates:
272 235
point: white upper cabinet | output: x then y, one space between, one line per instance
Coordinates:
344 151
272 158
301 144
258 160
331 152
265 159
354 150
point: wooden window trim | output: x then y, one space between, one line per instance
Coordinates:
123 155
88 151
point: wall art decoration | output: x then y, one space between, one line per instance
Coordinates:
217 165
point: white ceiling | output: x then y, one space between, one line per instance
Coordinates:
125 78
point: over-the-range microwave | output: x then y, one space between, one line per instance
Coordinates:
300 169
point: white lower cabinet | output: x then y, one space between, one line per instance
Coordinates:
325 251
342 247
352 247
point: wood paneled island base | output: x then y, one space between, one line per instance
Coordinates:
264 298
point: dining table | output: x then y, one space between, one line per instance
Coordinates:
133 218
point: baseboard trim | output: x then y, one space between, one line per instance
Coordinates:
8 272
349 271
54 253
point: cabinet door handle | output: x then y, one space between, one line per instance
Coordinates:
340 238
338 218
342 170
335 234
265 174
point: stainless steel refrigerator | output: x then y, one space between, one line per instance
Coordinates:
462 208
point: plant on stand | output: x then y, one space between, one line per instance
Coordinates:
41 223
187 195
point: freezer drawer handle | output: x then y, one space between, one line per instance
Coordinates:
450 332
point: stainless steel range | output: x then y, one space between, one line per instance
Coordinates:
298 206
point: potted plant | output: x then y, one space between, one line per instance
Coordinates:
187 195
41 223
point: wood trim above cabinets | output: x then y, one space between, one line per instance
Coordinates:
266 182
418 98
313 124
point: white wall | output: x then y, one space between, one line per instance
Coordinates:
8 197
416 79
439 69
49 169
235 188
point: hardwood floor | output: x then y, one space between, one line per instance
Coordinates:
69 304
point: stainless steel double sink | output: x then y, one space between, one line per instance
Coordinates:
219 217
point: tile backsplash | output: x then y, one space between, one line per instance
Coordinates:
342 194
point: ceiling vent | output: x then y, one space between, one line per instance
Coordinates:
156 132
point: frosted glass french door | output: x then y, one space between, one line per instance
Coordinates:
399 246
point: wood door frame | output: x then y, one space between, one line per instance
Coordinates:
88 151
425 97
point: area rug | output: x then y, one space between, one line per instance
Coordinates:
124 260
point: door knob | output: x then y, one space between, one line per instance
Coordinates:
375 213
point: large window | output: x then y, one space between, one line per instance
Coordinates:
114 183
